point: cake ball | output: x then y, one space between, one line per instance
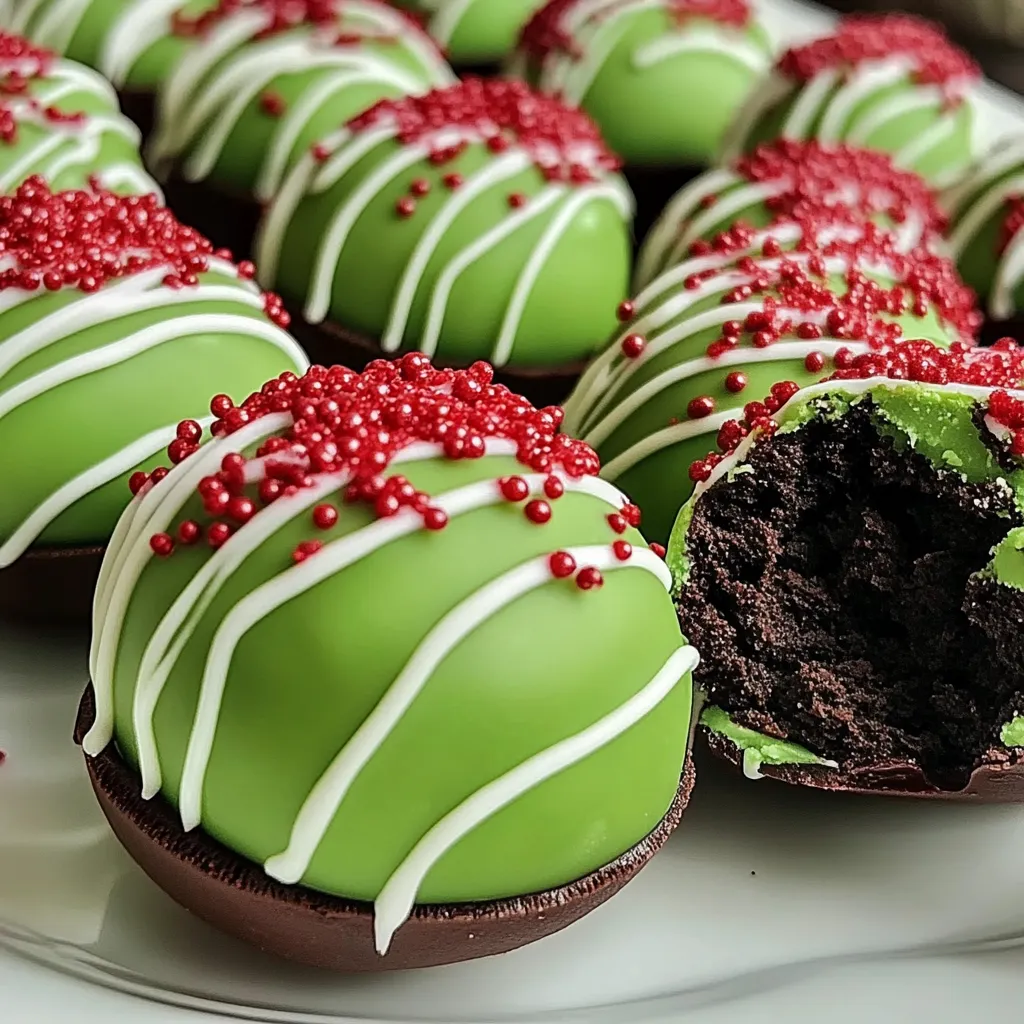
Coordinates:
663 80
260 85
736 332
888 82
384 674
853 572
479 221
474 33
987 213
61 120
786 180
116 321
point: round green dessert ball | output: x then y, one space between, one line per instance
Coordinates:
730 334
478 221
106 347
985 237
787 179
241 115
887 82
420 665
474 32
61 120
663 80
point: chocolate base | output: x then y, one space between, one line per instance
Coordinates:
229 219
833 595
51 586
238 897
654 188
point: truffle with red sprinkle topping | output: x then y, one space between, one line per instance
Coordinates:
139 318
891 82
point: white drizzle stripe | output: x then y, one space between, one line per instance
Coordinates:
489 176
680 208
982 210
484 244
396 900
142 341
600 431
333 242
611 191
773 91
136 294
330 560
330 789
58 25
734 45
576 77
1009 275
859 86
446 18
1003 158
918 148
173 99
179 624
921 98
138 28
661 439
809 101
151 512
105 472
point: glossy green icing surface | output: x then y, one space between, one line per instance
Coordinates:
941 163
676 110
119 404
569 310
935 422
546 666
485 32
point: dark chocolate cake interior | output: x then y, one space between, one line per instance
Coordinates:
832 600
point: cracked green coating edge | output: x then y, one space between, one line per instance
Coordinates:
758 749
931 420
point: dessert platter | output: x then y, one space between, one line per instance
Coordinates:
511 512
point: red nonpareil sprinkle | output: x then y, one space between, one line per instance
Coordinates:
282 15
735 382
617 521
860 38
562 140
699 407
162 544
272 104
632 514
548 31
562 565
84 239
352 425
633 346
659 550
622 550
807 176
589 578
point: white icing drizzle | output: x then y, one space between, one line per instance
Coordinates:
825 107
309 177
599 27
58 25
330 560
398 897
141 25
151 512
110 469
446 17
214 85
982 197
67 145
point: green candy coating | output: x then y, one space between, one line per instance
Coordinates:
629 68
544 667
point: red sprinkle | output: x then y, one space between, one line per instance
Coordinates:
659 550
861 38
272 104
633 346
699 407
618 522
562 565
162 544
623 550
735 382
589 578
353 424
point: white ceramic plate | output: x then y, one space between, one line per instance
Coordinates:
769 904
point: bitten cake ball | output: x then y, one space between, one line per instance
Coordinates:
474 33
853 575
987 214
61 120
116 321
887 82
663 80
735 331
786 180
387 651
482 220
264 81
